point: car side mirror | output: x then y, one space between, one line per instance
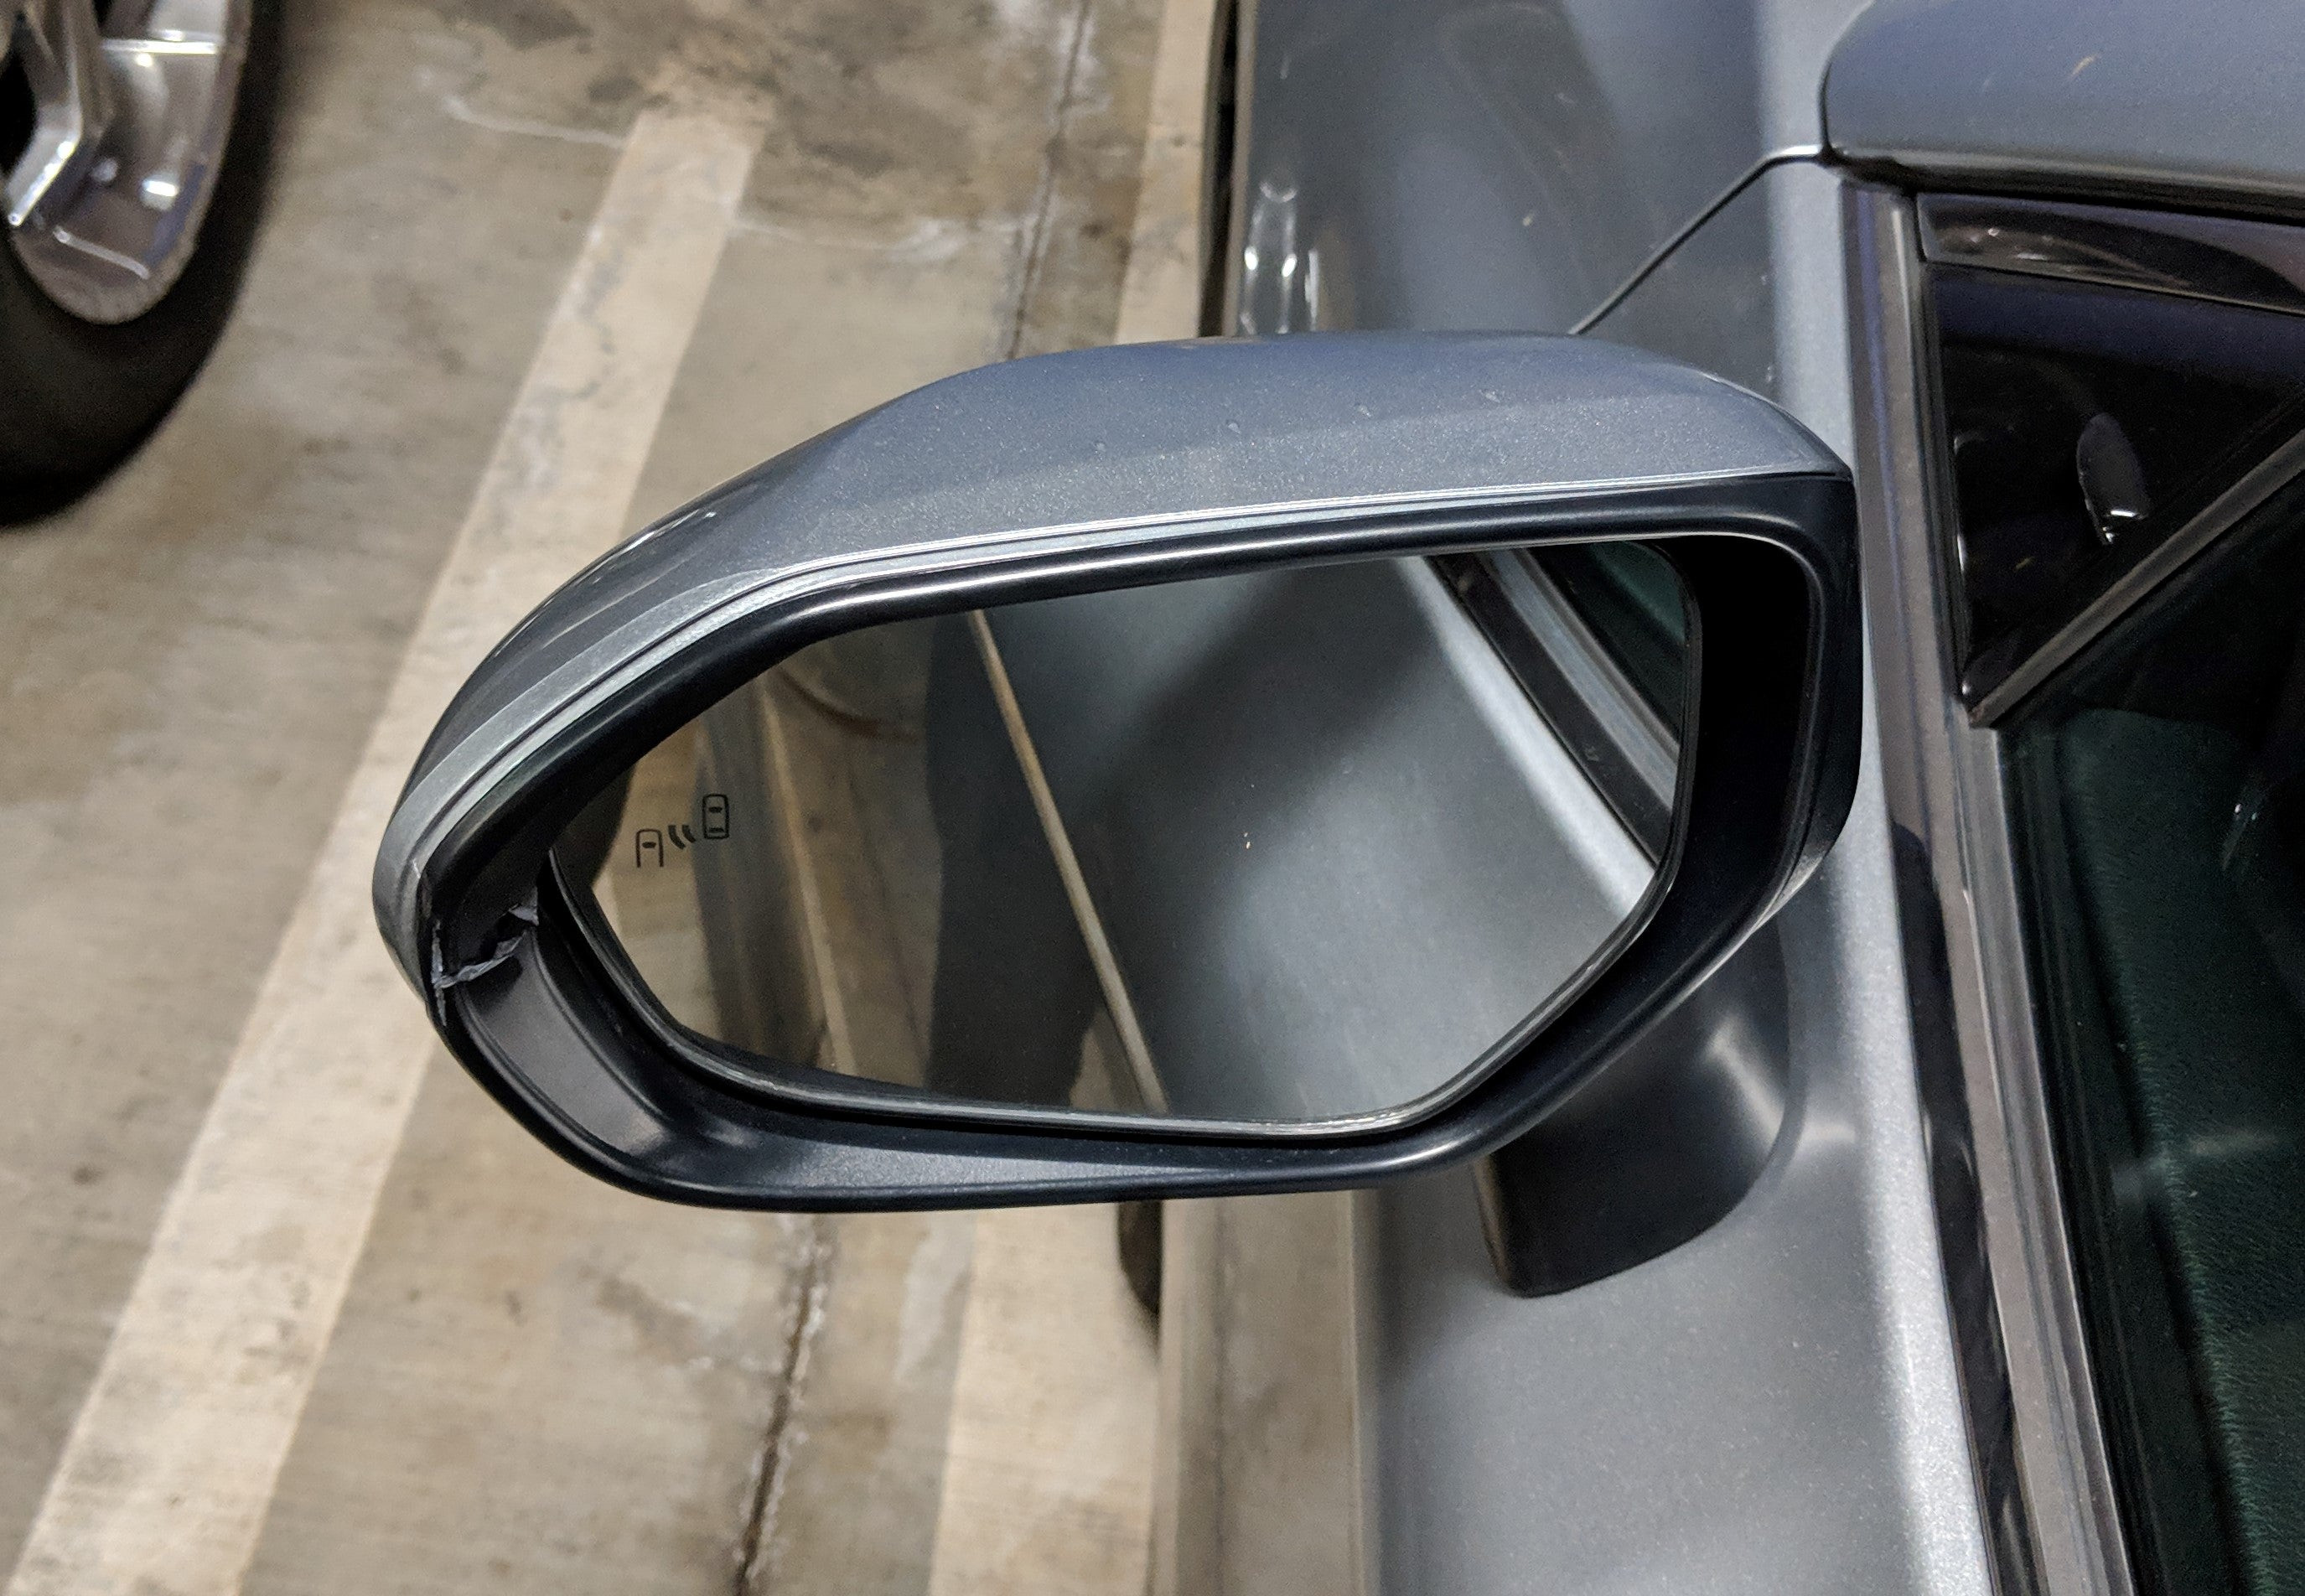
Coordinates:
1274 765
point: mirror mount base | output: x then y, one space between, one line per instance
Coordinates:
1656 1149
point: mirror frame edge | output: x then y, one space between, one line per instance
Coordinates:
806 1157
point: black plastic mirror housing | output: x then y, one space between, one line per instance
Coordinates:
1097 470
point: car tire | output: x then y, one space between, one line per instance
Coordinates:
77 396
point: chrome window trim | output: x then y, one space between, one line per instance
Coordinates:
2260 264
2044 1481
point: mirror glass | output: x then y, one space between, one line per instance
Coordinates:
1298 846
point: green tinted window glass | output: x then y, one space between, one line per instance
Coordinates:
2159 798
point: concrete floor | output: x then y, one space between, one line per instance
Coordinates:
537 1382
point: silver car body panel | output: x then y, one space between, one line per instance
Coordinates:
1772 1406
2199 104
1470 165
1776 1405
2041 1461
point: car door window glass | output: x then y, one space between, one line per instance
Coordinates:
2159 813
2086 424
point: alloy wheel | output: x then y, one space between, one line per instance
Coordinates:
123 117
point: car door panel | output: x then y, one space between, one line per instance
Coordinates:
1477 165
1611 1437
1770 1406
2195 107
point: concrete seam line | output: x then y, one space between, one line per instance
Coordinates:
1160 290
1160 299
169 1471
756 1544
1035 236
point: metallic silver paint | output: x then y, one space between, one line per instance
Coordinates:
558 1029
1773 1405
1943 786
1508 1445
1671 247
1467 164
2191 102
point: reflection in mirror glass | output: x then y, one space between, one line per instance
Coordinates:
1299 846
